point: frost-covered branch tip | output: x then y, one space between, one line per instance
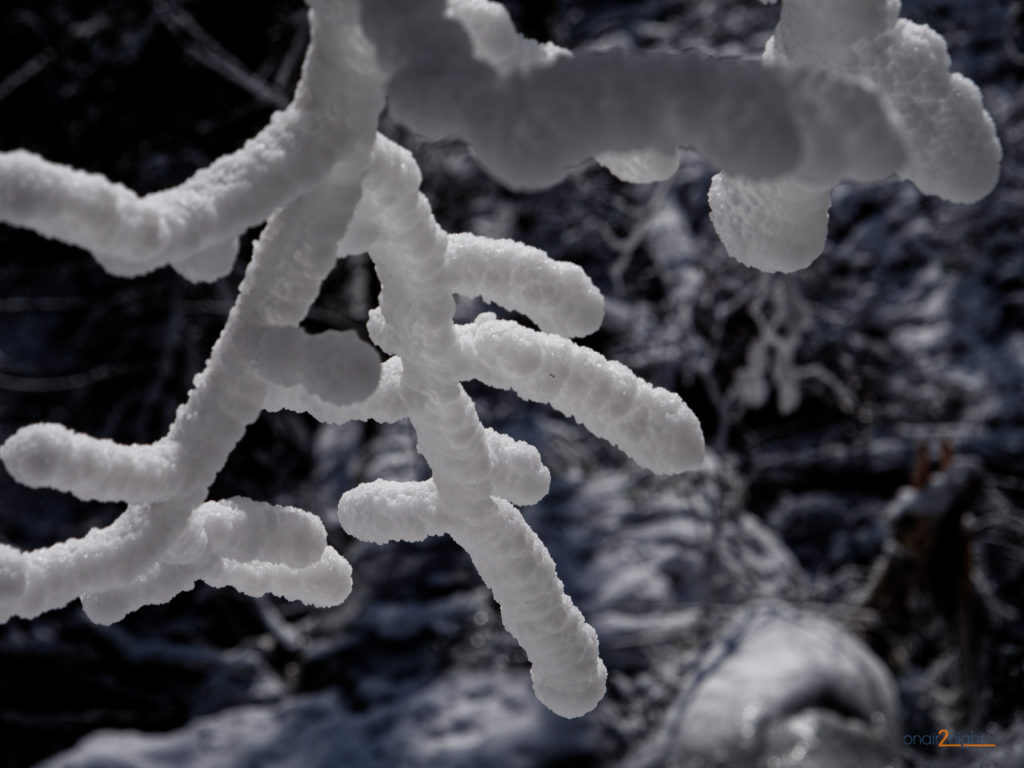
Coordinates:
951 145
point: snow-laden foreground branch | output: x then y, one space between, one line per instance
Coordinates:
846 91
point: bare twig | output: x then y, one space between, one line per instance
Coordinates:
212 55
26 72
66 383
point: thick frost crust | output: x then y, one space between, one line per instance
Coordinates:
951 145
559 297
651 424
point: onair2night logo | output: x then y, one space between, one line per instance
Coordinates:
946 739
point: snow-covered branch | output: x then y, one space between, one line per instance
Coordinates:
840 95
950 140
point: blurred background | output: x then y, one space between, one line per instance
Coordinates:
854 535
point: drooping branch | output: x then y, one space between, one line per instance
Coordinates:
476 472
